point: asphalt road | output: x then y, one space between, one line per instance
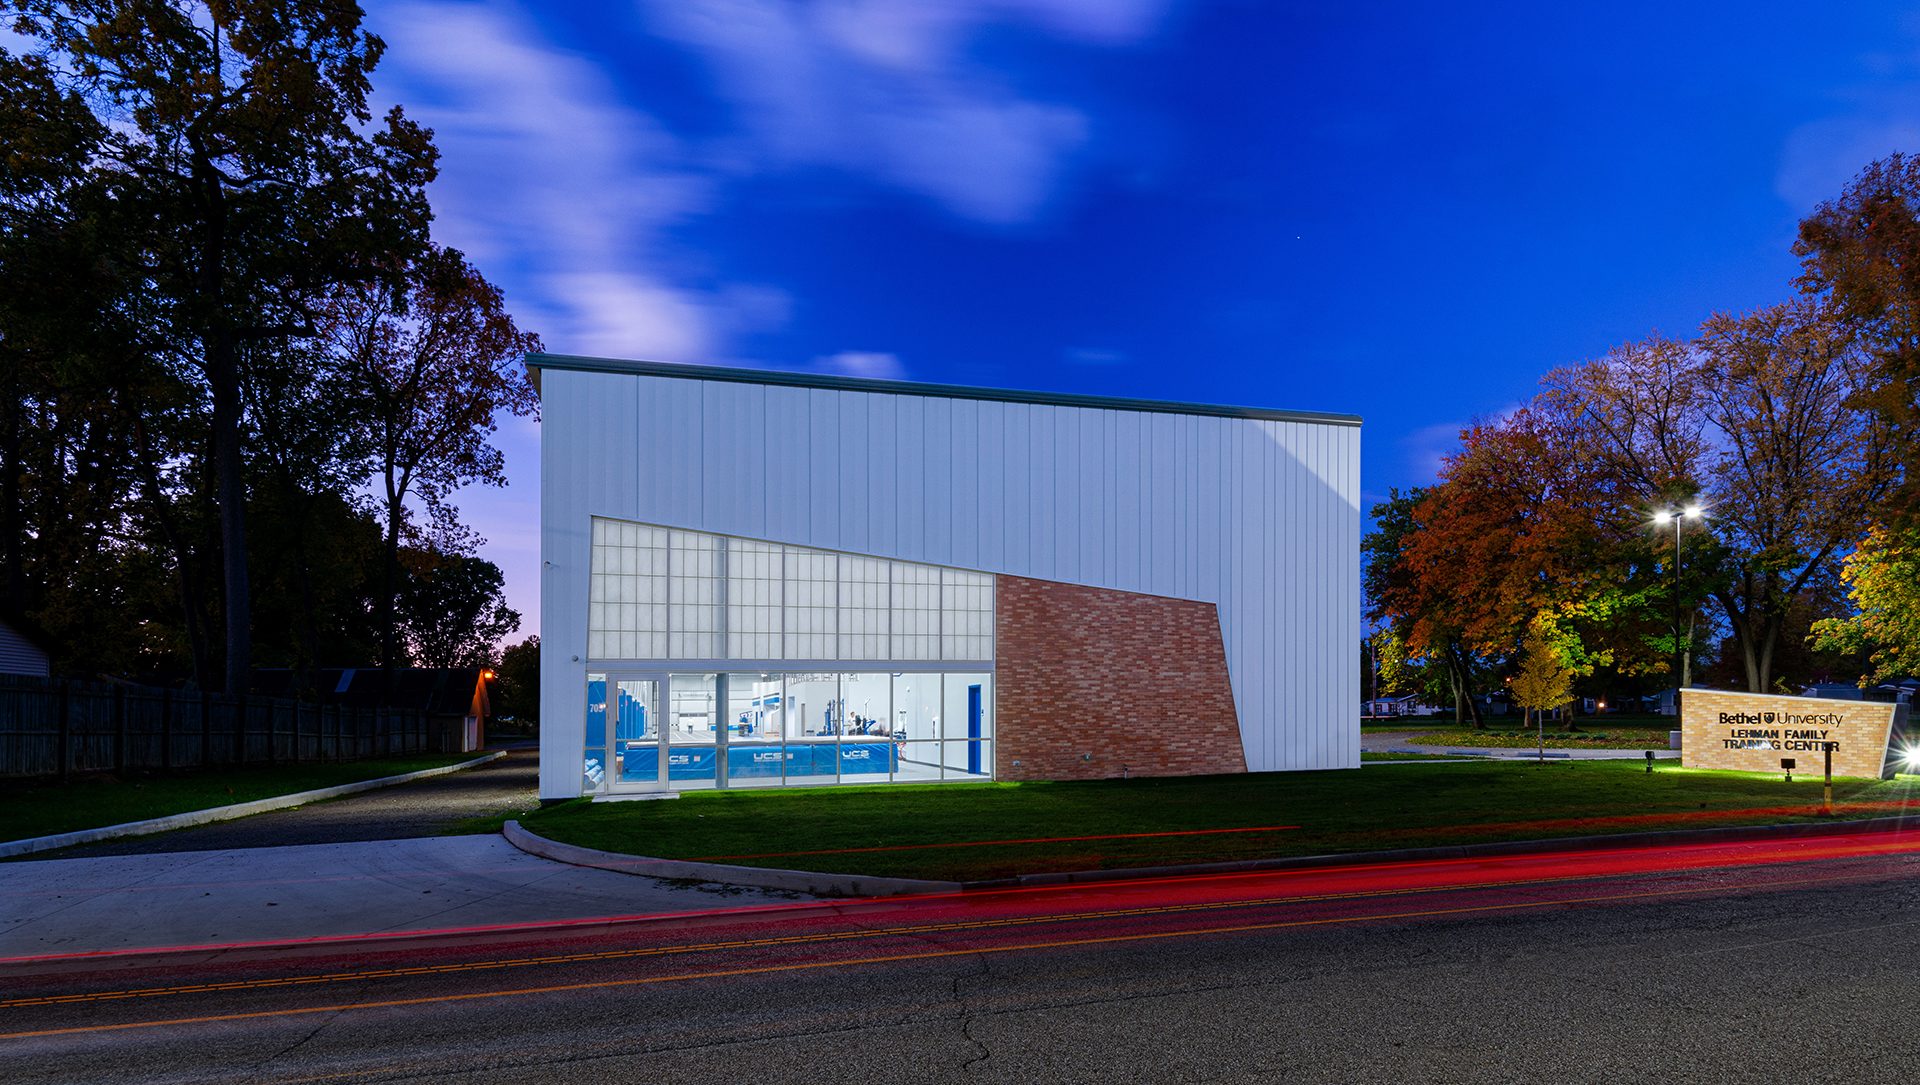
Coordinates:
422 808
1751 963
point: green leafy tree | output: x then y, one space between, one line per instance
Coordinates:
1762 420
1398 673
1544 681
1883 582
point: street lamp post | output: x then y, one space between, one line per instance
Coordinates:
1675 514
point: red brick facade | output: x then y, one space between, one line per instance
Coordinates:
1092 683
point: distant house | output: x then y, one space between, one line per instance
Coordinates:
1834 691
455 699
22 650
1408 705
1899 691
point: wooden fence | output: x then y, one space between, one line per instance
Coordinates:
52 727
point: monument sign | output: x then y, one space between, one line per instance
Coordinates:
1753 732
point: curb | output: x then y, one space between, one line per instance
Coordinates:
862 886
798 881
1725 834
11 848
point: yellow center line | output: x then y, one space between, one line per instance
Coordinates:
925 955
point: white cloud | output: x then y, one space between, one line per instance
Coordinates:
885 88
863 363
1428 447
1820 158
558 189
1094 356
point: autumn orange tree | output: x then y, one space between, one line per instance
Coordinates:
1522 529
1421 614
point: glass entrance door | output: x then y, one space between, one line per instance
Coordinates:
634 710
696 743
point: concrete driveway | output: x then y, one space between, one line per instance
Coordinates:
269 894
367 863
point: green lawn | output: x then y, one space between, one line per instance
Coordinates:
1353 810
35 809
1369 755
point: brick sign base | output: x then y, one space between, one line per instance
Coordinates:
1752 732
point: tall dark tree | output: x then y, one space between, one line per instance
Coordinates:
247 177
308 466
438 359
453 609
518 693
1861 251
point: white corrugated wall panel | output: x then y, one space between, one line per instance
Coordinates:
1259 517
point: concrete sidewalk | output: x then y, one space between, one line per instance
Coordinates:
59 906
1403 742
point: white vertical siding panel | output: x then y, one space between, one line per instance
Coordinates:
883 490
1348 744
1041 512
1162 509
1127 487
824 455
935 498
964 458
853 454
990 506
1016 474
566 472
724 408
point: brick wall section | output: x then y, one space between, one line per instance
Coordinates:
1091 683
1863 729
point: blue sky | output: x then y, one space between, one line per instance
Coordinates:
1405 211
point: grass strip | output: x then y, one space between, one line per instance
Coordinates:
30 809
896 830
1517 739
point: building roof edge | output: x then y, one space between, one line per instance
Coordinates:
783 378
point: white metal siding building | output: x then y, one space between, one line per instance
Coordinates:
1253 511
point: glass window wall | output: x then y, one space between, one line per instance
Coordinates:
667 601
790 728
657 594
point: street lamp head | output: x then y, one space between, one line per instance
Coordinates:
1662 516
1694 512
